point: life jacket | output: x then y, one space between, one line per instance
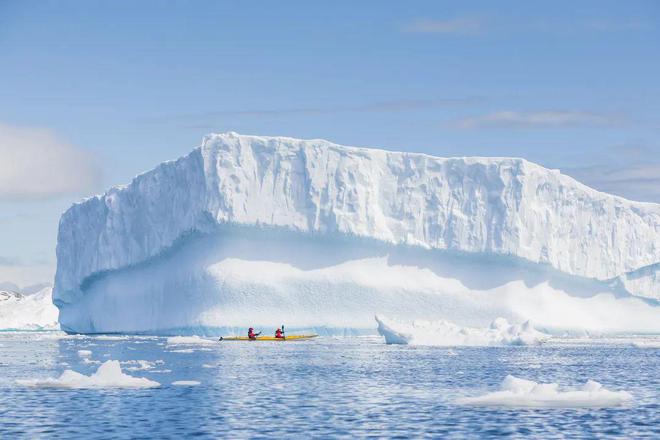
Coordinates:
278 333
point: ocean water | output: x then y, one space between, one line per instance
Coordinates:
323 388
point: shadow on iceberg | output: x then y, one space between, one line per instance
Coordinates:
239 276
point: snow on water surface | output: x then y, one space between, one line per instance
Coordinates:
515 392
444 333
108 375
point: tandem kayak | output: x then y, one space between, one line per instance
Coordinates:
267 338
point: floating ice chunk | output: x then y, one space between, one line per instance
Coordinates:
108 375
188 340
515 392
111 338
185 350
186 383
445 333
138 365
84 353
651 343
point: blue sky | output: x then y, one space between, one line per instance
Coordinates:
94 92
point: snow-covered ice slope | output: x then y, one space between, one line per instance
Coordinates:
481 209
28 312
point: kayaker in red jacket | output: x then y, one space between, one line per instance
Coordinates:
252 335
279 334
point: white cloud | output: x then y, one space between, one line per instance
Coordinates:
465 25
535 119
35 164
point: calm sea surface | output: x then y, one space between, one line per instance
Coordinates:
323 388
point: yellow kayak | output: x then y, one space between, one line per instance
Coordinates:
267 338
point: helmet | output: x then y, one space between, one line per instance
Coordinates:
250 328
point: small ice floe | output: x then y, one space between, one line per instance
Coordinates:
515 392
185 350
108 375
189 383
445 333
189 340
650 343
110 337
140 365
84 353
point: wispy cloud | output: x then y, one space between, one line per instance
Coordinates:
608 25
35 164
208 119
636 182
512 119
7 261
381 106
631 170
462 25
26 275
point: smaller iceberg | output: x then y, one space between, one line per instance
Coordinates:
28 312
516 392
108 375
447 334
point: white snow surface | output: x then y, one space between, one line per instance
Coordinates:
28 312
108 375
444 333
516 392
153 255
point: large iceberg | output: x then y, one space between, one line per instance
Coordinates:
259 230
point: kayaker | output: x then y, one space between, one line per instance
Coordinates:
279 334
252 335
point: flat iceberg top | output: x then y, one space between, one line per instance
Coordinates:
500 206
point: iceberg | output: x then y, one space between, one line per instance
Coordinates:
516 392
252 230
28 312
108 375
444 333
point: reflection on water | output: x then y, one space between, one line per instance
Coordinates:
323 388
